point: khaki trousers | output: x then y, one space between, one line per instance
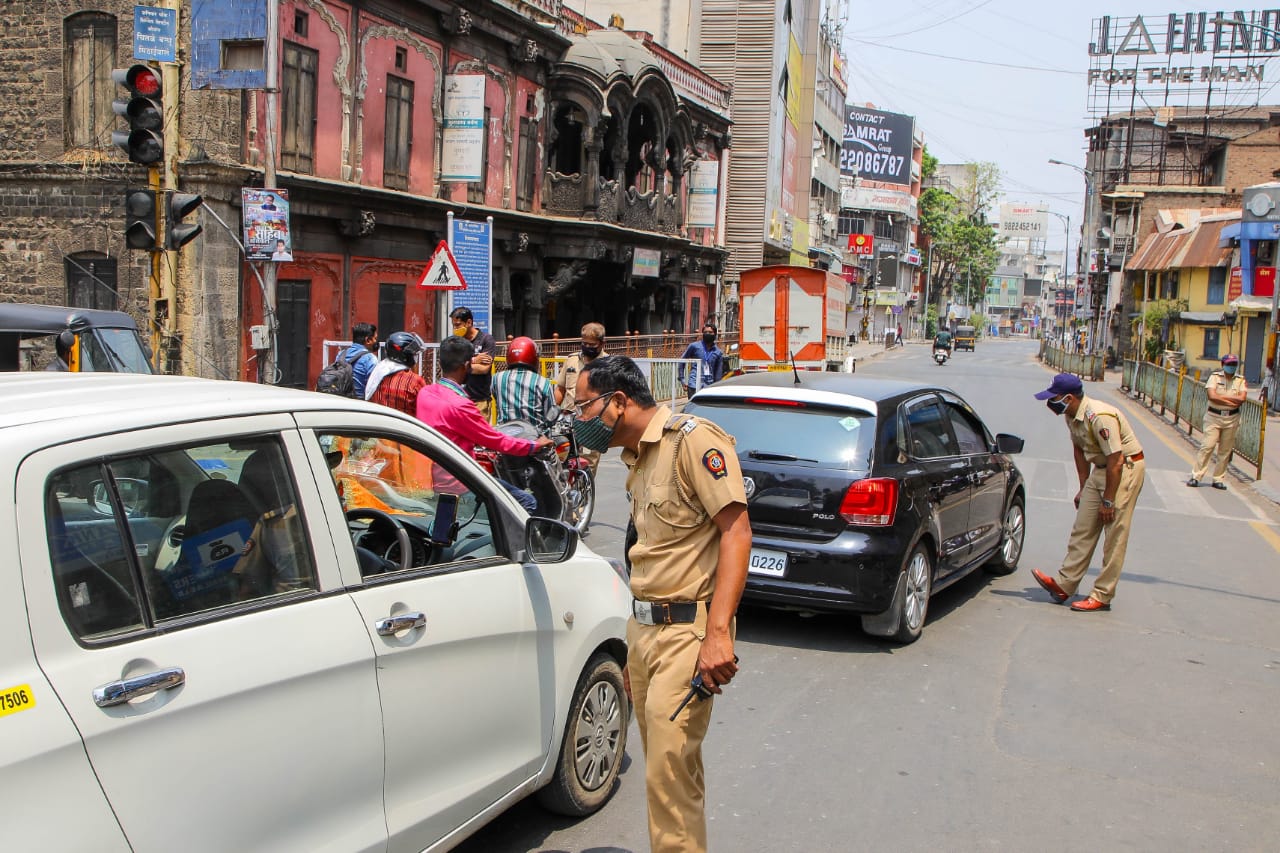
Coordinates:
1087 529
1219 435
661 659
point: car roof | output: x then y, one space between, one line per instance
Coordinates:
816 387
41 404
50 319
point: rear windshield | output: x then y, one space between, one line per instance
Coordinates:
831 438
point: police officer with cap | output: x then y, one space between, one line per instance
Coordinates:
1109 463
1227 392
688 570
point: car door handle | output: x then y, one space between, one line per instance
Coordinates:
127 689
393 625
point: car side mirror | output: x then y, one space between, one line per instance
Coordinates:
99 500
549 541
1006 443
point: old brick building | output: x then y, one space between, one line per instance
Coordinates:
590 133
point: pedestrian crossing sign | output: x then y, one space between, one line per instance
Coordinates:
442 271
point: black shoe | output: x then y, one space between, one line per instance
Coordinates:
1222 486
1192 483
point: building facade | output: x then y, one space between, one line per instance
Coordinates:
590 139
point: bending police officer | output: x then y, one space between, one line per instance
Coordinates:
1109 463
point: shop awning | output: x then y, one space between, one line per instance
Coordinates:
1252 304
1208 318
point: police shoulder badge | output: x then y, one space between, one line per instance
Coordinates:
713 461
1104 433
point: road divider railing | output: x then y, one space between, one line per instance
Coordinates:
1085 365
1173 392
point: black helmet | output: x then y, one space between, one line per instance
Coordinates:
404 348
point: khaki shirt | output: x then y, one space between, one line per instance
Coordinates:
568 378
1219 383
678 543
1099 429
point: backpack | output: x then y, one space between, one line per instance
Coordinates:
339 378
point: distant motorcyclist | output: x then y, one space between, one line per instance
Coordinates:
520 392
942 341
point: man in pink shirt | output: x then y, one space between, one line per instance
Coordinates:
446 407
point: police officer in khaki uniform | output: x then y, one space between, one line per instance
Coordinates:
688 569
1227 392
567 382
1109 463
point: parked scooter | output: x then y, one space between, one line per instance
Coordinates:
559 477
940 356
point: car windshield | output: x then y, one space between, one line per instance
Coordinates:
830 437
112 351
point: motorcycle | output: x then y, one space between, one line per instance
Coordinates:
940 356
559 477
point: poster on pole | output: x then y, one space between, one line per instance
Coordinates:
704 177
462 153
266 224
472 245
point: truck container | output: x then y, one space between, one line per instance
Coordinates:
791 312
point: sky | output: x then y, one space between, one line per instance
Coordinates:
1017 117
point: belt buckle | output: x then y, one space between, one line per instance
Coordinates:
643 611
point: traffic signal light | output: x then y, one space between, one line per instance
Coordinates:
144 110
176 232
140 219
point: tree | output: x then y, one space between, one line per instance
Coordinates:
960 244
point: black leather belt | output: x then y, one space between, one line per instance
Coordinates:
664 612
1223 411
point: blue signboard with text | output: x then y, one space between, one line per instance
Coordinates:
155 34
472 246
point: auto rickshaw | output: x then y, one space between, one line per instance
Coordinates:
94 341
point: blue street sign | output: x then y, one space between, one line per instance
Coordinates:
155 34
472 246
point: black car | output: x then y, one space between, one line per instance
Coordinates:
867 495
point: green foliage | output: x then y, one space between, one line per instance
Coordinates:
1154 319
931 321
928 165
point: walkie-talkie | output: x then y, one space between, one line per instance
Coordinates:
696 688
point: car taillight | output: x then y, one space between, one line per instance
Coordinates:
871 502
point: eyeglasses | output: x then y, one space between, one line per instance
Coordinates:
579 408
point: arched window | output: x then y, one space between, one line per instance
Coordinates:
89 53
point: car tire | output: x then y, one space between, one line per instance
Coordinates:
904 620
595 739
1005 560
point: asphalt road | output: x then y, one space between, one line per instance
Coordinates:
1013 724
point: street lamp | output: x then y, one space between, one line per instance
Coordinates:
1088 237
1066 252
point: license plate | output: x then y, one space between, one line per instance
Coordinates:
766 562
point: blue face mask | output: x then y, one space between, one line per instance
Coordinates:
1058 407
1229 369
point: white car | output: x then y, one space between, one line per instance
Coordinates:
236 617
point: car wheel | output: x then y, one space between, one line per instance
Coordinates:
904 620
1005 560
595 739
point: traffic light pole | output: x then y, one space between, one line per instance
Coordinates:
167 304
158 331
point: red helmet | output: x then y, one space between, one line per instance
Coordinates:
522 351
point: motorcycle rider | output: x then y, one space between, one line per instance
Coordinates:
942 341
393 381
520 392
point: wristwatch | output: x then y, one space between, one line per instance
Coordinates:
1108 504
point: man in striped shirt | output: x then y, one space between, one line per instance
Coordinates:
395 382
520 392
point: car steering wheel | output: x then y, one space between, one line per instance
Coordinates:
378 516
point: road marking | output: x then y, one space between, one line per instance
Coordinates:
1265 531
1171 487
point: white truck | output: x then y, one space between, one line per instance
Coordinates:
791 312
